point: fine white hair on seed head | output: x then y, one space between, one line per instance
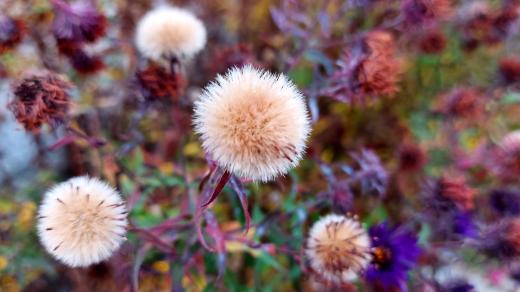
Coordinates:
82 221
253 123
168 32
338 248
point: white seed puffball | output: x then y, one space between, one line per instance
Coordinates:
167 32
82 221
253 123
338 248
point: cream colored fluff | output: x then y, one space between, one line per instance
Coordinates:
253 123
338 248
167 32
82 221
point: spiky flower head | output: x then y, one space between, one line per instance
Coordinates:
170 32
338 248
501 240
41 98
253 123
82 221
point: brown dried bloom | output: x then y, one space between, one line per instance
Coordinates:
509 69
456 190
237 55
411 158
40 99
432 42
157 83
461 102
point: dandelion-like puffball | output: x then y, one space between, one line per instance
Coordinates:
82 221
253 123
168 32
338 248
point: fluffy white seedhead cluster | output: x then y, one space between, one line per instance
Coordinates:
167 32
338 248
82 221
253 123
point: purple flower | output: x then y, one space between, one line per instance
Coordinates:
505 203
79 22
11 32
457 286
463 225
395 252
515 275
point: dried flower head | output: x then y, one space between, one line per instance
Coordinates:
77 22
11 32
509 69
82 221
506 161
253 123
39 99
432 41
84 63
461 102
157 83
453 190
371 69
170 32
338 248
411 158
425 11
501 240
372 175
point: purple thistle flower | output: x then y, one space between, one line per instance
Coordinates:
78 22
372 174
11 32
505 203
395 252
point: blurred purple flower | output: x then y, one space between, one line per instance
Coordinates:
84 63
11 32
505 203
78 22
395 252
515 275
463 225
457 285
372 175
420 12
501 240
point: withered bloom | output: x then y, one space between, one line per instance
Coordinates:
78 22
40 99
461 102
424 11
411 158
432 42
509 69
501 240
84 63
449 193
371 69
11 32
157 83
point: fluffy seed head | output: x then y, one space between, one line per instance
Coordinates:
338 248
253 123
82 221
169 32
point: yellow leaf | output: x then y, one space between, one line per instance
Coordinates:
161 266
3 262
